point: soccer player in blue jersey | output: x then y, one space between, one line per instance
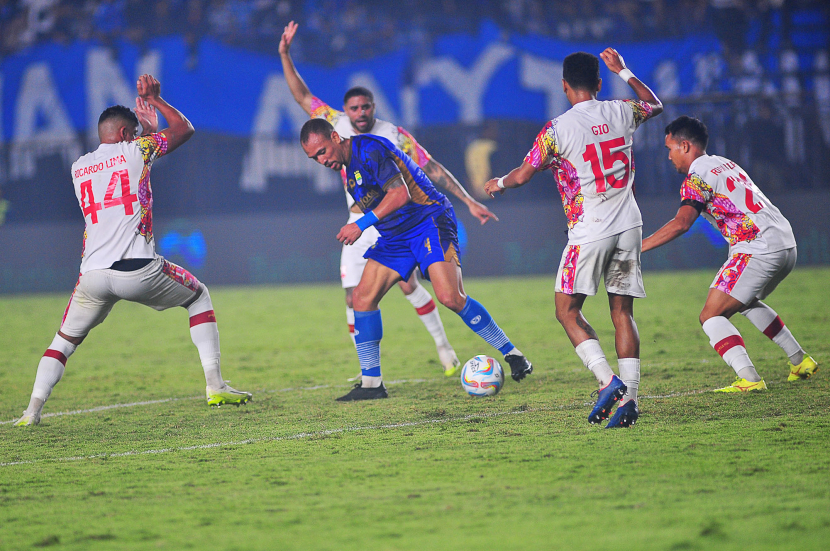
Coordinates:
417 228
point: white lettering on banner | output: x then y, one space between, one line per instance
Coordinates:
269 157
106 84
36 99
383 108
466 86
667 83
544 75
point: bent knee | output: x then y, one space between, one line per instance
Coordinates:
452 300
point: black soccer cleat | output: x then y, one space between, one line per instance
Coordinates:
361 393
520 367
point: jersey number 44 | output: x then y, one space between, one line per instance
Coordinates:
91 208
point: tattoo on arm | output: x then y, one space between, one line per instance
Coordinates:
585 326
441 176
395 182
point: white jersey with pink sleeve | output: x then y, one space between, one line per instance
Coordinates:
395 134
112 185
589 150
721 190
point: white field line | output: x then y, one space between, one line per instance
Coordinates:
303 435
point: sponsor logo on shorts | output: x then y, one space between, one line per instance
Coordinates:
427 245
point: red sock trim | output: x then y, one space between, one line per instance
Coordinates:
727 344
774 328
56 355
426 308
204 317
351 329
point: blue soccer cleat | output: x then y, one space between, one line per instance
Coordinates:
625 416
606 396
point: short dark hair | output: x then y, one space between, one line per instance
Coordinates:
118 112
581 71
689 129
315 126
358 91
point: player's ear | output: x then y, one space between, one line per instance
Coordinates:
335 137
599 86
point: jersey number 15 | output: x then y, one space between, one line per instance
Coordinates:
608 161
90 207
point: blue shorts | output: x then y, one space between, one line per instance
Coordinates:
433 240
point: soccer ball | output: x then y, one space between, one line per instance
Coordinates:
482 376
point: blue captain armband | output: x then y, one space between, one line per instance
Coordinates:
368 219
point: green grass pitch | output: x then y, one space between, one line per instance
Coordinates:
429 468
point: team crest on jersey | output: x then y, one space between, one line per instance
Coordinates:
358 178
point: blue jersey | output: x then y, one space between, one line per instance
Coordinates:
375 162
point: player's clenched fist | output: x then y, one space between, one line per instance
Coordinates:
492 186
349 234
613 60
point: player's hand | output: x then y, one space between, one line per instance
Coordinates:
481 212
349 234
148 88
491 187
287 37
147 116
613 60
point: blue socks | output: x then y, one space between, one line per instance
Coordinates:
479 320
368 331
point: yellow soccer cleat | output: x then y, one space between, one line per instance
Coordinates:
804 370
449 360
28 419
742 385
227 395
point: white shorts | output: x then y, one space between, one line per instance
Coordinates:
746 277
615 258
160 285
352 262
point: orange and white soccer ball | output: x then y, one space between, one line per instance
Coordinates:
482 376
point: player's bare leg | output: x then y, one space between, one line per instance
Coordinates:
587 347
627 343
768 322
727 341
421 300
375 282
448 285
49 372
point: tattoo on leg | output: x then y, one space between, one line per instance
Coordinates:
585 326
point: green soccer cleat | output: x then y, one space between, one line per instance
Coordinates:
449 360
742 385
28 419
227 395
804 370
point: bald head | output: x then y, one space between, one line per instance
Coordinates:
117 124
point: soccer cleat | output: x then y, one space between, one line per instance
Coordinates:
804 370
364 393
742 385
606 396
520 367
625 416
28 419
227 395
449 360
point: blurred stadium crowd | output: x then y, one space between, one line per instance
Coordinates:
333 31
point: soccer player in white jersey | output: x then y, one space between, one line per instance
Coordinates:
762 252
119 259
359 111
589 150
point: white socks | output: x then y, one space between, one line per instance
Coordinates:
727 341
205 335
592 356
422 301
769 323
49 371
350 321
630 375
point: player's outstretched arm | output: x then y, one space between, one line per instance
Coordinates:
296 84
439 175
517 177
180 129
614 61
674 228
397 195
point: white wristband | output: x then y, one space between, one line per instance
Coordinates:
500 183
625 74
